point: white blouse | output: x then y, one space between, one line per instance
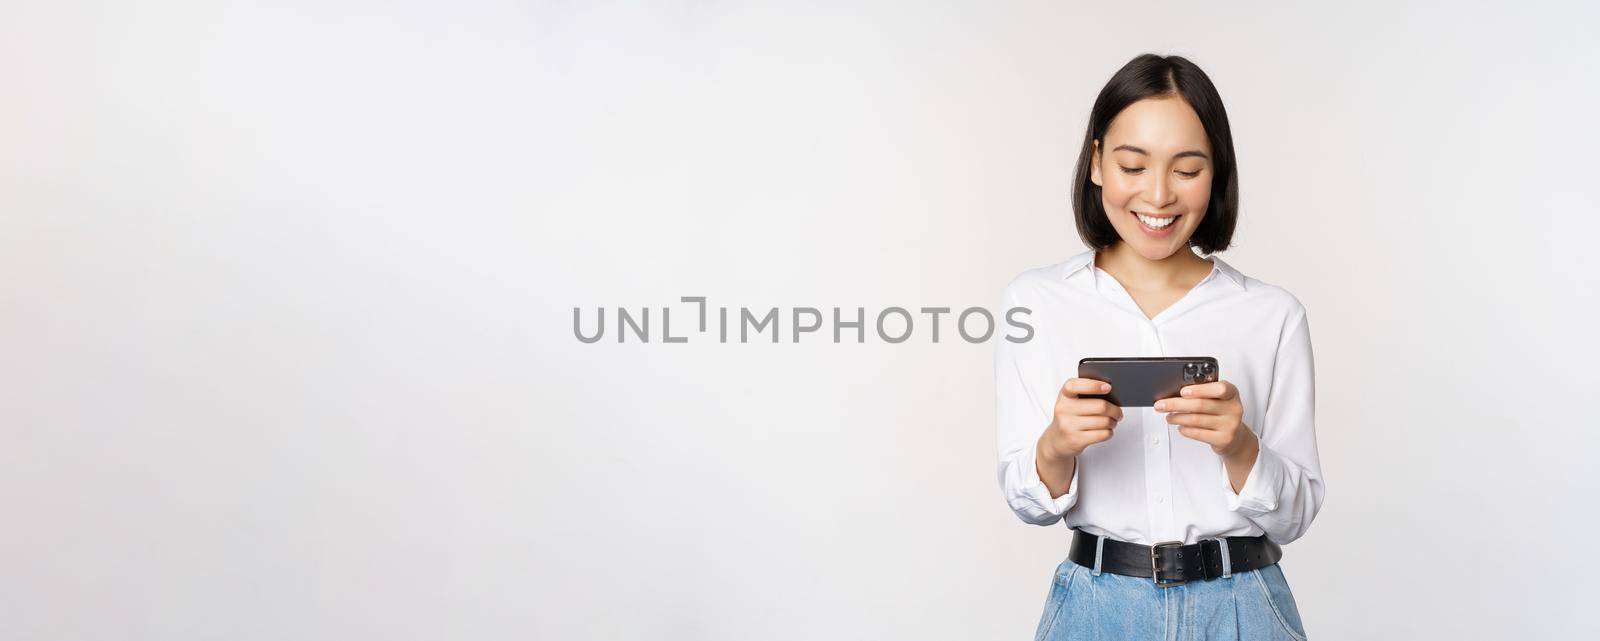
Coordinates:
1149 483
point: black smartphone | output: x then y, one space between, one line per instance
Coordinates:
1141 381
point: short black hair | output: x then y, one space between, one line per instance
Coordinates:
1143 77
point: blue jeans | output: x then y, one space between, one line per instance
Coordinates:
1246 606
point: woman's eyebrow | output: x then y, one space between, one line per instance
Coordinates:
1182 154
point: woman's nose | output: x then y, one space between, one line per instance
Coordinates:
1161 190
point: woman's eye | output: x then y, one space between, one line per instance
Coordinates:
1189 174
1131 170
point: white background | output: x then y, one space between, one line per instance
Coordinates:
285 323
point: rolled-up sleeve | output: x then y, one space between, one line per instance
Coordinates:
1021 418
1284 489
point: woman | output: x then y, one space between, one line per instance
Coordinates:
1219 476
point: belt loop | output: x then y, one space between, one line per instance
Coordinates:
1099 552
1227 562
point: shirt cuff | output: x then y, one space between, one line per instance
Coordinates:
1034 487
1260 492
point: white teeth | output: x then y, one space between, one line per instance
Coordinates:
1156 223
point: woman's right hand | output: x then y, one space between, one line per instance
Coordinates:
1079 422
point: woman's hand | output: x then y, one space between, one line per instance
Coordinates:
1079 422
1212 414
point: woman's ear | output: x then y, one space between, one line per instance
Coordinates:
1094 163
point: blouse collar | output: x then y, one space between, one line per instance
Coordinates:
1084 262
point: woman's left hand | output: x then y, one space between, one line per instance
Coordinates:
1212 414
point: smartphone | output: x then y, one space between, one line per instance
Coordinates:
1141 381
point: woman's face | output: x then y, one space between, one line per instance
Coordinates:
1154 172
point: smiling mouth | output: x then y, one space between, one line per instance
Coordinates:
1157 223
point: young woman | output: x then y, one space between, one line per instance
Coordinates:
1178 511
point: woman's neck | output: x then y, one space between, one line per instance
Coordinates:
1178 271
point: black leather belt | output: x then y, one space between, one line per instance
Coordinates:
1173 563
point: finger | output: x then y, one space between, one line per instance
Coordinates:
1206 422
1208 437
1075 386
1199 405
1221 390
1201 390
1092 407
1086 423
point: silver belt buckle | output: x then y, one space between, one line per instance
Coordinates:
1155 566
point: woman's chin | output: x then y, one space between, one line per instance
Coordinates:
1157 250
